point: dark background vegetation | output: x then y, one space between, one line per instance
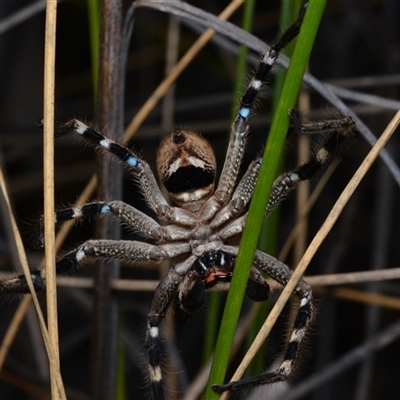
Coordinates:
356 39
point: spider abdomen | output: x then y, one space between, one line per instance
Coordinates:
186 165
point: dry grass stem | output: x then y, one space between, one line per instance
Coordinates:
13 328
360 296
24 262
48 179
316 281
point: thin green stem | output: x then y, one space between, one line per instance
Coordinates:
269 232
214 299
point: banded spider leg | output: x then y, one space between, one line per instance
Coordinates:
339 130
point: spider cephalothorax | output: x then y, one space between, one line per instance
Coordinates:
197 233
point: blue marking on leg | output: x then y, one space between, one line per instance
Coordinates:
244 112
105 209
132 161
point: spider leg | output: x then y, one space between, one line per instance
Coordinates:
240 197
133 218
340 130
281 273
240 126
121 249
326 126
141 170
164 294
257 288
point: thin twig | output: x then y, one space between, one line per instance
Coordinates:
373 299
48 179
13 328
105 314
21 15
348 278
24 262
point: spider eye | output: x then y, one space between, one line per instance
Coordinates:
179 137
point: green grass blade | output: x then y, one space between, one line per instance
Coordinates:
269 232
214 298
266 177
